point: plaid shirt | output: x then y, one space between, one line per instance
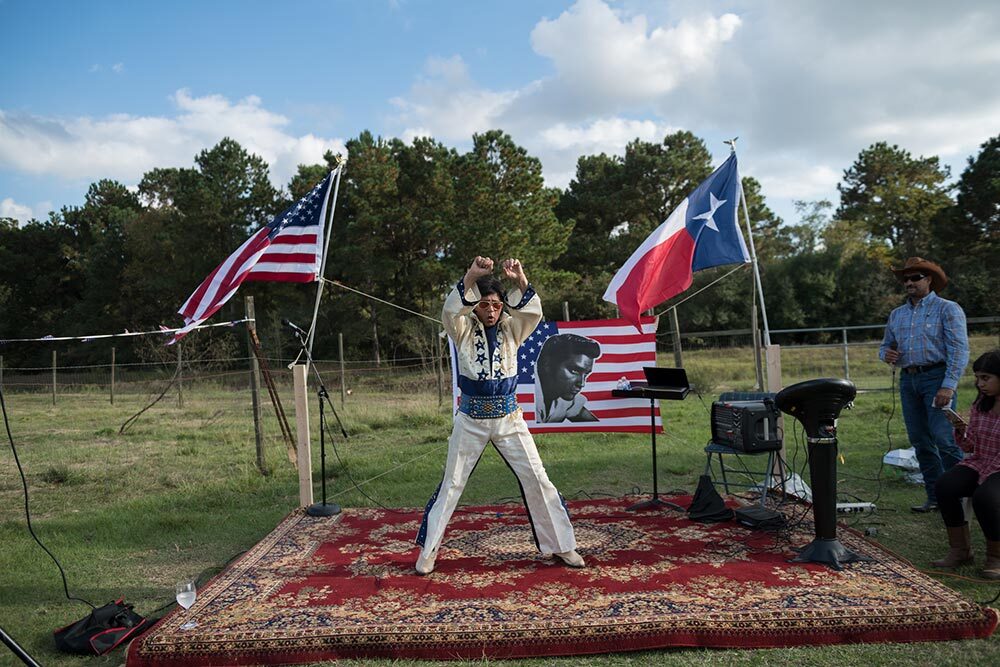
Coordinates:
983 436
927 333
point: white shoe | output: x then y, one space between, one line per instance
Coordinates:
425 563
571 558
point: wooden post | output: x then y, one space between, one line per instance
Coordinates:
112 376
343 377
847 363
565 311
180 386
254 385
772 356
678 354
304 463
53 377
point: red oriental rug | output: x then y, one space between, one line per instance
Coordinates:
344 586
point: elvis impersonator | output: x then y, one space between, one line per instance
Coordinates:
486 339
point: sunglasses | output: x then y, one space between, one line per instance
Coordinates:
914 278
490 305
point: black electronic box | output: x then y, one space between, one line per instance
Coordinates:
747 426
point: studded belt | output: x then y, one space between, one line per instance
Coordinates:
488 407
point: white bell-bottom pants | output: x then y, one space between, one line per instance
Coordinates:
549 519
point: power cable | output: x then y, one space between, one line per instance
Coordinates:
27 510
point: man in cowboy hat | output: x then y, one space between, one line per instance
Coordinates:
927 340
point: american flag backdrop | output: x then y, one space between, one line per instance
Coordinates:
287 249
624 353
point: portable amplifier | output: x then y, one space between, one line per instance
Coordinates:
747 426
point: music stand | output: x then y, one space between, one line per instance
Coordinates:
643 390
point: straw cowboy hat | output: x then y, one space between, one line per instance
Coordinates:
927 267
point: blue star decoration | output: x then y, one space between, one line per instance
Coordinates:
481 358
528 353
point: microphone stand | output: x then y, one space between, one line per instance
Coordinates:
321 508
17 650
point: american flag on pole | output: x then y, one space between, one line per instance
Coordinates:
623 353
287 249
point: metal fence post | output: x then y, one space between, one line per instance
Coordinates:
112 376
343 378
847 362
565 311
53 377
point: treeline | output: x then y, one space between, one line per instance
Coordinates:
411 216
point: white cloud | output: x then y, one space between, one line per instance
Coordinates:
22 212
602 57
11 209
118 68
446 103
807 85
561 145
605 135
123 146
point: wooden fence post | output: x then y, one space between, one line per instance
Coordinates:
180 385
772 356
440 368
304 463
678 354
254 385
53 377
112 375
565 311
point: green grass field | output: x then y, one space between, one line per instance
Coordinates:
179 495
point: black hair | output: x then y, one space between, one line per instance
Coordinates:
988 362
491 285
557 348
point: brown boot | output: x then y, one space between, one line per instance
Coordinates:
959 549
992 568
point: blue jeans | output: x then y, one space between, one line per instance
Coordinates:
931 435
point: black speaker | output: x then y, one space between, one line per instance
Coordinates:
747 426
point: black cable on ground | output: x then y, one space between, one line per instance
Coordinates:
27 510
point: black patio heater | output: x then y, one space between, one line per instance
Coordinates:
817 404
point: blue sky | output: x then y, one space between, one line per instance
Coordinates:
109 89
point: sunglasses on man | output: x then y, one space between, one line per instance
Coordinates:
914 278
490 305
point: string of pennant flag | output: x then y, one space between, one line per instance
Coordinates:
125 334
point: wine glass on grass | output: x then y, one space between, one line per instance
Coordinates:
187 592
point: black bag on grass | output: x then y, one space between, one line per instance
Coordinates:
102 630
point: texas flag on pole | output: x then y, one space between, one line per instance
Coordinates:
702 232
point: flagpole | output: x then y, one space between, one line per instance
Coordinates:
328 230
753 255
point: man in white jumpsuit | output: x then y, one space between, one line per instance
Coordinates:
486 339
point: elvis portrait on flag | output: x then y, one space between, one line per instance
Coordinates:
567 370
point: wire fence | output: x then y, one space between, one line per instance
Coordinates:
715 360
